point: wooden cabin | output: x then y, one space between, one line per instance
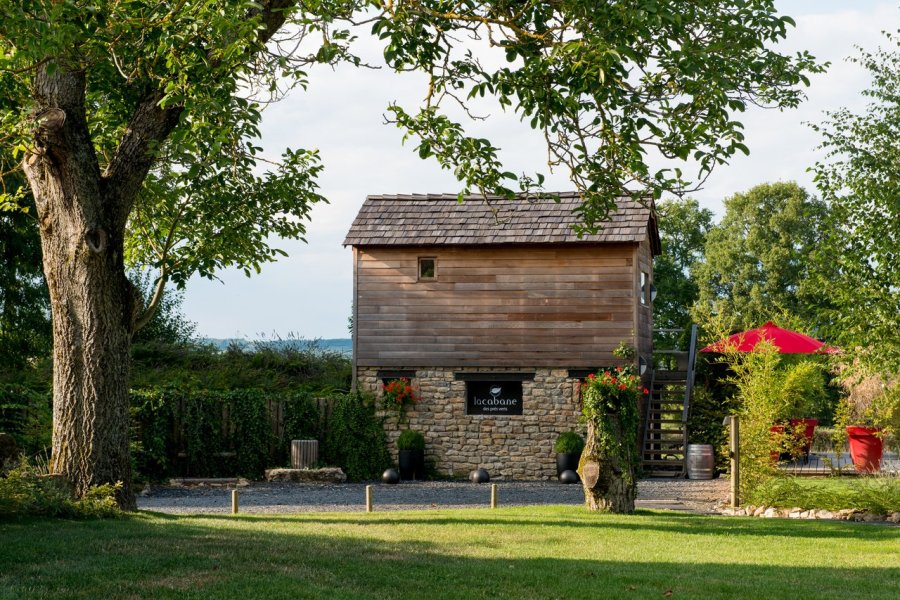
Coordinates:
495 311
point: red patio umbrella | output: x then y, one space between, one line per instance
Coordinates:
785 340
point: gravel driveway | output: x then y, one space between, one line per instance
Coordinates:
270 498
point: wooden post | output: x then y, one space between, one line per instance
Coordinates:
493 495
234 502
368 498
734 455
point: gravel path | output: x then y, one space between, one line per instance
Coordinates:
271 498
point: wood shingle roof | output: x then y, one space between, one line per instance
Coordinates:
439 219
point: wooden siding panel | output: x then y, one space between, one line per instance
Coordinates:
645 312
494 307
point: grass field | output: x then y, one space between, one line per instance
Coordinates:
536 552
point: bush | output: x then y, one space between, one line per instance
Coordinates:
803 390
28 490
758 381
411 440
880 495
870 400
569 442
355 437
282 367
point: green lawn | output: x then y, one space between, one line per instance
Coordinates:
537 552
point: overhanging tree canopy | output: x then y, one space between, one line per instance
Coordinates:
135 118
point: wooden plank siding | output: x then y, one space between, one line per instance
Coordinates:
644 330
494 306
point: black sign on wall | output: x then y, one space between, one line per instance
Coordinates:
493 397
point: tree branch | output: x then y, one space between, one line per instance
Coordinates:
151 124
155 301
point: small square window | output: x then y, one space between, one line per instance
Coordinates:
427 269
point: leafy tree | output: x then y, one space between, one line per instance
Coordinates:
167 325
758 261
137 123
683 226
860 181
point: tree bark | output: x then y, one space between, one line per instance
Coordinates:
92 303
83 214
608 481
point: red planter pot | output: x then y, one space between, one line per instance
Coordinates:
807 426
865 449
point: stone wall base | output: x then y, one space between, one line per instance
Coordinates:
508 446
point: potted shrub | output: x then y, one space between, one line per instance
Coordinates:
866 414
803 390
568 449
411 446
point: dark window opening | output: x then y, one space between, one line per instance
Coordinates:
427 269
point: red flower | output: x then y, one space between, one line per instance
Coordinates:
646 391
622 386
592 377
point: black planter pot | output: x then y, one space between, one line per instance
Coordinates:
567 462
412 464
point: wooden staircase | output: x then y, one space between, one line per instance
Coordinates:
665 428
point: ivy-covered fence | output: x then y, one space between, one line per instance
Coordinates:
183 431
26 414
243 432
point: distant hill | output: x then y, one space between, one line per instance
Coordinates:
342 345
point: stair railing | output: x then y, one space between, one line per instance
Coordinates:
689 384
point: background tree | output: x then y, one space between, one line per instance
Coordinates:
136 117
683 226
860 181
759 259
24 308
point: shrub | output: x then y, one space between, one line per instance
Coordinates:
355 437
280 367
757 378
28 490
870 400
569 442
802 390
411 440
880 495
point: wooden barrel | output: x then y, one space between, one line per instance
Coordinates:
701 461
304 453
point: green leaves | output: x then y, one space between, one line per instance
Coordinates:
607 84
759 261
859 180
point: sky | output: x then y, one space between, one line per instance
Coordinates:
308 294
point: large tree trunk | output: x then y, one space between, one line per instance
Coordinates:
608 481
82 229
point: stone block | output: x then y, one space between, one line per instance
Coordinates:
325 475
